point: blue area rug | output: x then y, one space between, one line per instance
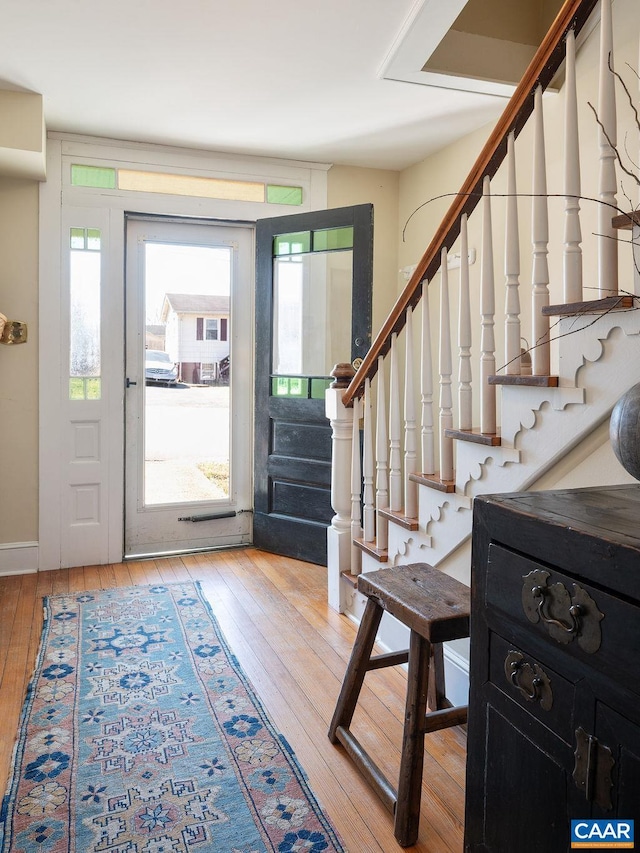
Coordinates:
141 734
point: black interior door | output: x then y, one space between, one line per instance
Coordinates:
313 310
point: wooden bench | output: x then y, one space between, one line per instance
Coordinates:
435 607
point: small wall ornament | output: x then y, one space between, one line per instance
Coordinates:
12 331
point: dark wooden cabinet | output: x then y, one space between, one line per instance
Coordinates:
554 713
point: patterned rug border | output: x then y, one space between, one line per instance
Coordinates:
7 810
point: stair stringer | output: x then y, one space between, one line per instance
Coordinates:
598 363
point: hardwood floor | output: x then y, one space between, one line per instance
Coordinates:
294 649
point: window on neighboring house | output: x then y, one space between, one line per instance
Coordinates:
211 330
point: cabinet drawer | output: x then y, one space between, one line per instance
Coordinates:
534 686
575 618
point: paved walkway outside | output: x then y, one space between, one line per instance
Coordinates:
185 426
175 480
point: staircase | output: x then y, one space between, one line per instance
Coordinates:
418 433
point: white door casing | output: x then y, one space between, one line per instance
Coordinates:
81 455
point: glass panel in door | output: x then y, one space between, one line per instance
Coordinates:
186 351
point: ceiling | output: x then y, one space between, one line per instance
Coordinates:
291 79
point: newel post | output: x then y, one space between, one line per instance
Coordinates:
339 531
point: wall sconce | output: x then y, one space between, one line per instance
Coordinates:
12 331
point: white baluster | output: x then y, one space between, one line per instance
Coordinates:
446 400
426 387
382 471
410 463
607 235
356 490
540 356
572 257
487 310
395 459
369 514
465 400
512 267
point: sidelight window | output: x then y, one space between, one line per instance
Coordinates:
84 316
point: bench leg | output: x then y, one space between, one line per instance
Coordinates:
407 818
356 668
437 698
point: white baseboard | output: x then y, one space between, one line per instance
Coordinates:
456 676
18 558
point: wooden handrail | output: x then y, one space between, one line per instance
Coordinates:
541 71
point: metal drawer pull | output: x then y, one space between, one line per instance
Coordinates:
532 681
566 616
535 684
574 612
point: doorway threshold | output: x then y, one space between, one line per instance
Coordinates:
181 551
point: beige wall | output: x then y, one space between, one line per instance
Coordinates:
347 185
19 364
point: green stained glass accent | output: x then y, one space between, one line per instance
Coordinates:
284 195
77 238
289 386
85 388
76 388
93 176
93 239
318 387
333 238
94 388
85 239
292 244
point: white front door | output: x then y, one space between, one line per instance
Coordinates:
188 372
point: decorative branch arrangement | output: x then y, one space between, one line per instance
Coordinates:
634 175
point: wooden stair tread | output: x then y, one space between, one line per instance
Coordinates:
433 481
524 379
380 554
491 439
399 518
593 306
626 221
350 579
